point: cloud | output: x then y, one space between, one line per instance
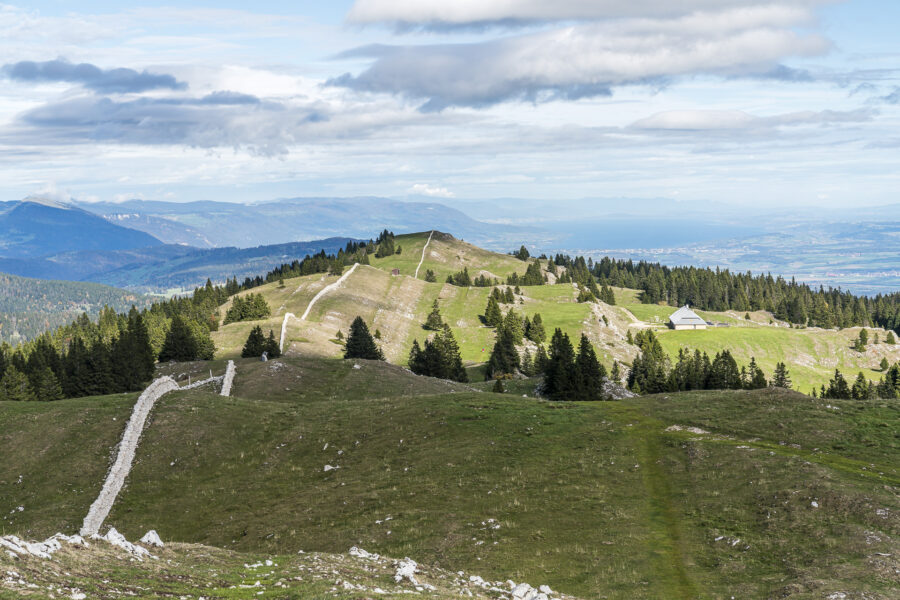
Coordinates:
427 190
726 120
893 97
589 59
221 119
90 76
456 13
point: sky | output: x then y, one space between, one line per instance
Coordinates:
780 104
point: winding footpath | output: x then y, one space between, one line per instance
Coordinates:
425 247
325 290
115 479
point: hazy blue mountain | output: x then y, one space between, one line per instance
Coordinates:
33 228
160 268
288 220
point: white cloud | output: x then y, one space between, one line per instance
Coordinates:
713 120
589 59
467 12
424 189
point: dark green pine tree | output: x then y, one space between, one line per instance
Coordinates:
433 321
430 277
15 387
47 387
360 343
498 387
492 315
861 386
782 378
535 330
616 373
756 379
560 375
504 358
180 344
540 360
838 388
589 371
271 348
255 344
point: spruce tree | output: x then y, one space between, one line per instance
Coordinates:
616 373
535 331
889 338
180 345
560 377
884 364
271 347
430 277
589 372
860 389
492 315
434 321
360 343
838 388
504 358
498 387
15 387
782 377
255 344
47 387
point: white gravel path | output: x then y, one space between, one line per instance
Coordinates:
328 288
421 260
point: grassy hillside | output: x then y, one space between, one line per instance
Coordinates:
398 305
604 499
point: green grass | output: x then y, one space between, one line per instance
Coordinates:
593 499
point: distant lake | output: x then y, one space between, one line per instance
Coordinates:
634 232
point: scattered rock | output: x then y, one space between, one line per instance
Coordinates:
151 538
406 569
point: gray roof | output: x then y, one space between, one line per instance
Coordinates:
685 316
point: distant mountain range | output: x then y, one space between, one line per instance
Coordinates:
34 228
160 246
217 224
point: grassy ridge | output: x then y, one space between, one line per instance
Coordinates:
593 499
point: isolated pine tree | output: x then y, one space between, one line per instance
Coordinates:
255 344
889 338
430 277
271 347
434 321
616 373
884 364
360 343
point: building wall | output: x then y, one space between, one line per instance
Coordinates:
681 327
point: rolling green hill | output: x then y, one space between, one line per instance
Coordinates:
774 494
714 494
398 306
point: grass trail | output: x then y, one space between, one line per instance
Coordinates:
666 543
